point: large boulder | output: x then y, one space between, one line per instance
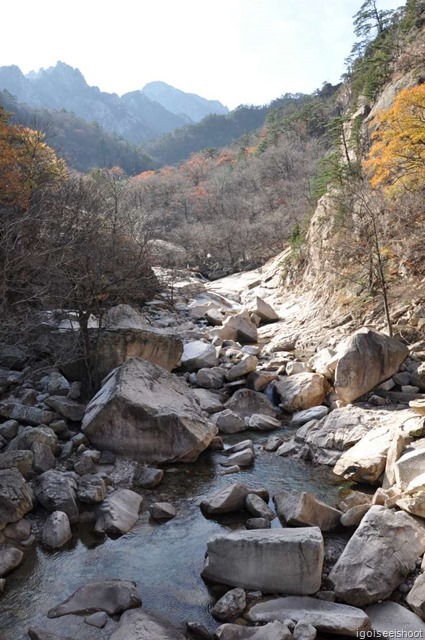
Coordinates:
326 617
113 347
119 512
326 440
365 462
149 414
246 402
378 557
229 499
228 421
123 316
409 466
111 596
270 560
366 359
239 328
302 508
263 310
198 355
157 346
301 391
138 624
15 496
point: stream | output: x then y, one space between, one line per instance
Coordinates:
165 560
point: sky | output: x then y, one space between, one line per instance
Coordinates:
235 51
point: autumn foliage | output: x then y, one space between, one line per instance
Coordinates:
26 163
397 156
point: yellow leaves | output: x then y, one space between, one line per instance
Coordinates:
397 156
26 163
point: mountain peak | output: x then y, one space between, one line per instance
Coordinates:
180 102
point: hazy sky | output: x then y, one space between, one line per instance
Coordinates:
235 51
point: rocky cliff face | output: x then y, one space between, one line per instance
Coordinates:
336 262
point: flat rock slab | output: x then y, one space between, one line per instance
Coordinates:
327 617
142 625
378 557
148 414
111 596
390 616
272 561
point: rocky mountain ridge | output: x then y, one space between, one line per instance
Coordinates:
135 116
181 103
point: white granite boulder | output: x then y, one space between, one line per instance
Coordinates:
378 557
269 560
364 360
301 391
144 412
326 617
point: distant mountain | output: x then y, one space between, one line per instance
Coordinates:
181 103
83 145
134 116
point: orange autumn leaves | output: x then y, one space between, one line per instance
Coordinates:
397 157
27 164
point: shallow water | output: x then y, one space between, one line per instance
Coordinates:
164 560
